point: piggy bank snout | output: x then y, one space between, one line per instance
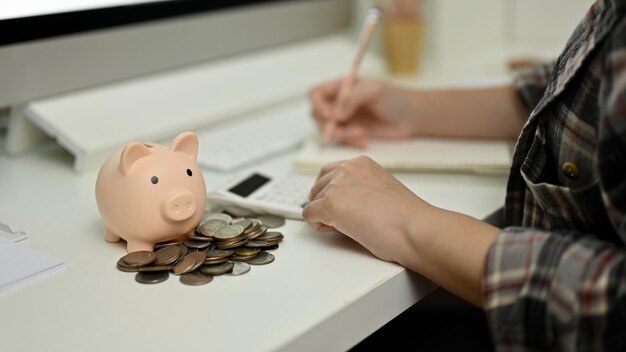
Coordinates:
178 206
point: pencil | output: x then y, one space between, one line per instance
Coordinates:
371 19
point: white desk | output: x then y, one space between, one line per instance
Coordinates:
322 293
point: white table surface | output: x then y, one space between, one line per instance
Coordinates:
323 292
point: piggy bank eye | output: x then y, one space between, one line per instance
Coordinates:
154 180
189 172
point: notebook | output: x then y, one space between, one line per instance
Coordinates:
419 154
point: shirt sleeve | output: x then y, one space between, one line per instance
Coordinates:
567 290
531 82
555 291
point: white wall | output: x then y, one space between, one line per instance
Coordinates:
483 34
544 25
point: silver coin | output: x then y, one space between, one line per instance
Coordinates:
167 255
209 228
240 268
245 223
139 258
229 232
197 244
196 278
261 259
151 277
271 221
217 269
199 237
219 216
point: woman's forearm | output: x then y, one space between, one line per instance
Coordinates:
494 113
452 253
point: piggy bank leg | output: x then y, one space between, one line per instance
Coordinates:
110 236
134 246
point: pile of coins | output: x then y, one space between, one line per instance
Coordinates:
223 243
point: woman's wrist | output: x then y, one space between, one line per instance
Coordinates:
450 249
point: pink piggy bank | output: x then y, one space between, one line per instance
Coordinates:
149 193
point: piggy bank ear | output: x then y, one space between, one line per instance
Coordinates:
186 142
131 153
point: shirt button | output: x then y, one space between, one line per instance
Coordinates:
570 169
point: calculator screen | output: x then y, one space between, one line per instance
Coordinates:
249 185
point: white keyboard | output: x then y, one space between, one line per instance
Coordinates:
256 136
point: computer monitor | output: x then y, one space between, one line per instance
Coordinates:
56 46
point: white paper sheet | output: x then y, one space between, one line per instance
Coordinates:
18 263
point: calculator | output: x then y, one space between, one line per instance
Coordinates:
265 193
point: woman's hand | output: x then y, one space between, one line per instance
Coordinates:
362 200
375 109
370 109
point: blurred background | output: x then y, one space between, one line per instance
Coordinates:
470 40
71 45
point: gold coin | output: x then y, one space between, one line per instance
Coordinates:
256 233
197 244
139 258
217 269
167 255
215 261
244 251
165 244
258 244
271 236
122 266
195 278
151 277
219 253
199 258
230 245
185 265
153 267
199 237
183 250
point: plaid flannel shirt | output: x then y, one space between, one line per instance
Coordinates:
555 278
